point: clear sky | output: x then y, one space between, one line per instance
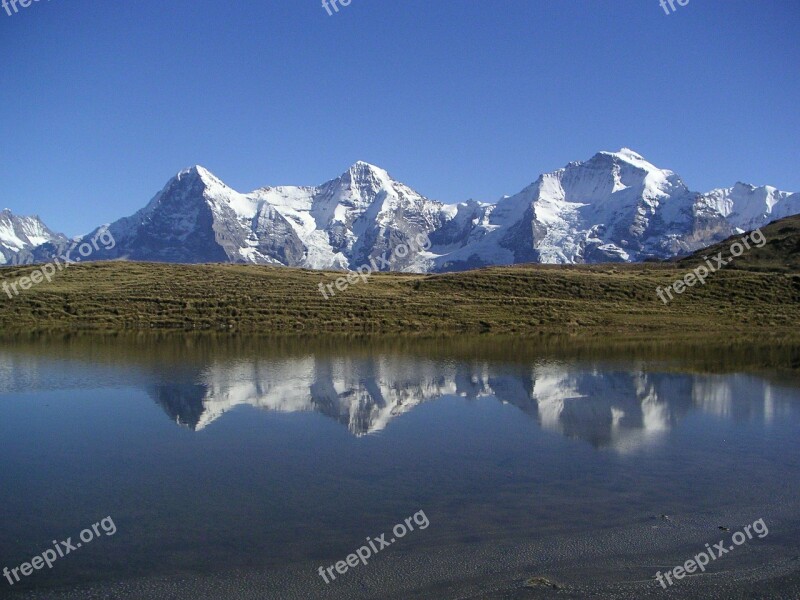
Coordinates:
104 100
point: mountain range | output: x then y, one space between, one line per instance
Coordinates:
614 207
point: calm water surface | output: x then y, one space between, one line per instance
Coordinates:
278 457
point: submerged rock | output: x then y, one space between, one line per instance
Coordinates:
539 582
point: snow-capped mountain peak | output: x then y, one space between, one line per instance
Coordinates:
745 206
362 168
632 157
20 235
630 154
361 184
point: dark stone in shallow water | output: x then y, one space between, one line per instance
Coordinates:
539 582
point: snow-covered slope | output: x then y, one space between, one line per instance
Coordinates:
18 235
616 206
358 216
339 225
747 207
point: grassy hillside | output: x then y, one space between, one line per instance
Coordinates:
780 252
117 296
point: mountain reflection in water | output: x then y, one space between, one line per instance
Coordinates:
607 408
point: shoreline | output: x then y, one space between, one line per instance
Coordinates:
615 564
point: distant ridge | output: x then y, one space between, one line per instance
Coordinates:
781 252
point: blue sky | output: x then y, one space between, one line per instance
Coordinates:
103 100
